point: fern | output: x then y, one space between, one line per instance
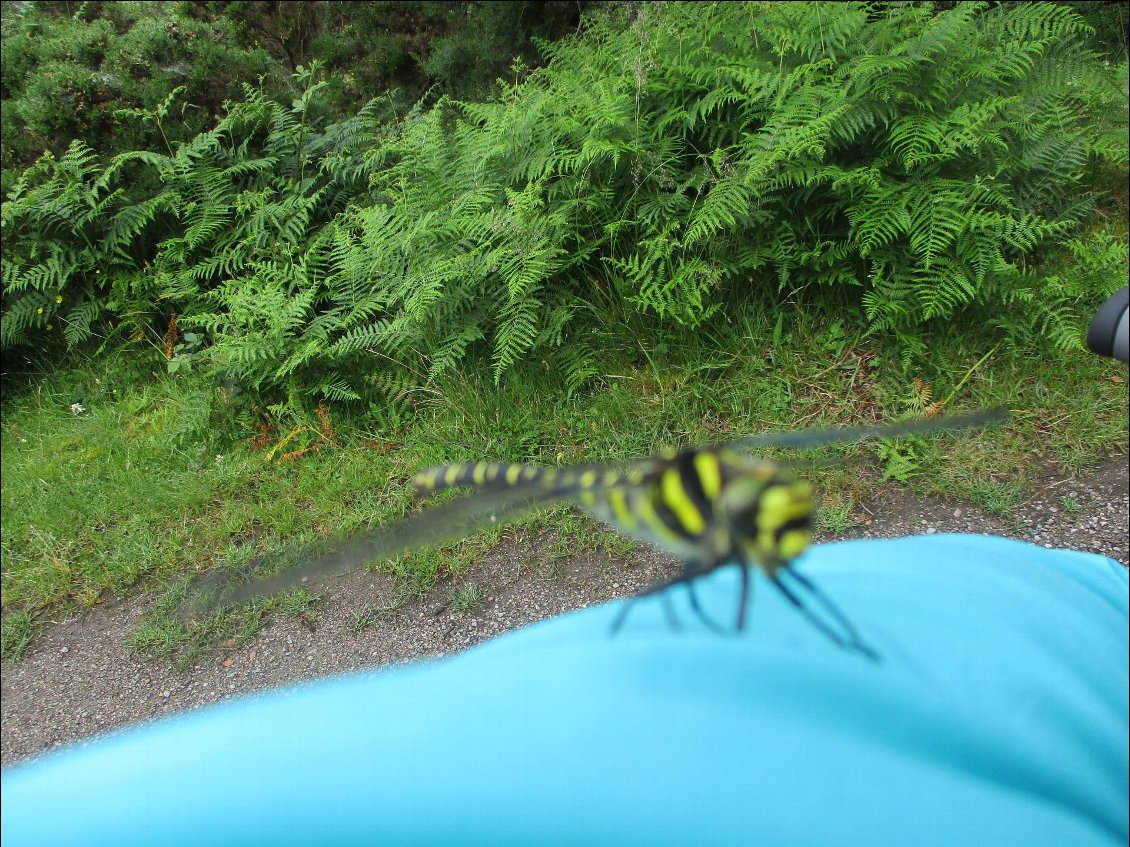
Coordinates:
577 362
917 159
517 331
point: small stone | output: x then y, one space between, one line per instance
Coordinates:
64 650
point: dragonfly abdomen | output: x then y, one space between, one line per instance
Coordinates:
475 474
487 475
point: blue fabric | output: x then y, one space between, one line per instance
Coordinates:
998 716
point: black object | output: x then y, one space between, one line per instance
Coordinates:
1109 334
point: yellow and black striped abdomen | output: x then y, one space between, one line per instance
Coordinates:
476 474
495 475
669 501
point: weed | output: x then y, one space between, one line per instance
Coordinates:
1070 504
836 517
16 632
900 458
157 636
359 621
466 597
998 498
296 603
369 614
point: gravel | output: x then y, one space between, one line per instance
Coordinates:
79 678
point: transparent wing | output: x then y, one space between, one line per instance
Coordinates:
816 437
435 525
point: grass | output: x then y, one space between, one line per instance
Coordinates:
362 620
16 631
466 598
1070 504
835 514
161 478
998 498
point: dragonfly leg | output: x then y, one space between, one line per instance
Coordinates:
691 572
622 615
669 611
855 644
696 607
835 611
743 597
668 608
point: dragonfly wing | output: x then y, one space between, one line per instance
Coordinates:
816 437
435 525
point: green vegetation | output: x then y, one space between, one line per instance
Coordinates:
909 166
75 71
228 339
121 494
93 71
17 631
1070 504
466 598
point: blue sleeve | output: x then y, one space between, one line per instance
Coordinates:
998 715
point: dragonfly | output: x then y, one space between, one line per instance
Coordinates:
711 506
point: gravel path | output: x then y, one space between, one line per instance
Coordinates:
80 679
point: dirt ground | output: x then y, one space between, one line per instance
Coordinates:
80 679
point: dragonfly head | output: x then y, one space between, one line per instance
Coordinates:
769 521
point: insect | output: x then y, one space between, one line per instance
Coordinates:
711 506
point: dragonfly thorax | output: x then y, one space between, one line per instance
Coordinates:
769 521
